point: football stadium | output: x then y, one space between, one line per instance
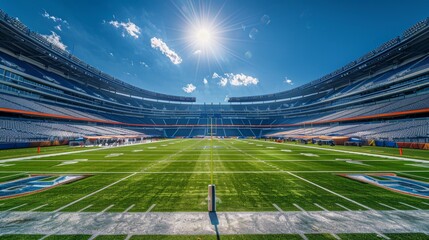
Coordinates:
91 148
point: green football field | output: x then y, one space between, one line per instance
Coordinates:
250 176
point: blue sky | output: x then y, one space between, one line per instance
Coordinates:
214 49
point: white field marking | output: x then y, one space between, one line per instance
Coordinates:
83 209
348 209
1 204
223 160
278 208
259 145
335 236
252 156
343 159
67 153
13 175
324 209
330 191
300 208
151 147
217 172
309 154
302 235
163 145
270 147
107 209
286 150
412 175
37 208
425 203
138 150
357 162
93 193
365 154
423 165
129 208
411 206
44 237
150 208
114 155
6 165
393 208
10 209
379 234
93 237
128 237
66 163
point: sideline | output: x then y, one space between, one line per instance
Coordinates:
193 223
73 152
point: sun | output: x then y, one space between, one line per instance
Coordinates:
203 37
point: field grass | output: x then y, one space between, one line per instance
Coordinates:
250 175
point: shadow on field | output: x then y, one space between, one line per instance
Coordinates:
214 221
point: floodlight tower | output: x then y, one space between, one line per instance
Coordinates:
212 188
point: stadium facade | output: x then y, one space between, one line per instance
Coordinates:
47 94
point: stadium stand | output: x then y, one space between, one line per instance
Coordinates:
48 94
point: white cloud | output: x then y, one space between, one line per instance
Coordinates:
56 20
248 54
198 51
53 18
144 64
226 98
223 81
131 28
253 33
265 19
157 43
189 88
55 39
241 79
235 79
288 81
215 75
205 81
111 54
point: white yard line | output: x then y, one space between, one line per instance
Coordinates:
278 208
37 208
343 207
412 175
128 237
330 191
16 207
83 209
129 208
93 237
107 208
363 153
150 208
72 152
93 193
17 174
425 203
335 236
300 208
390 207
302 235
324 209
411 206
44 237
217 172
